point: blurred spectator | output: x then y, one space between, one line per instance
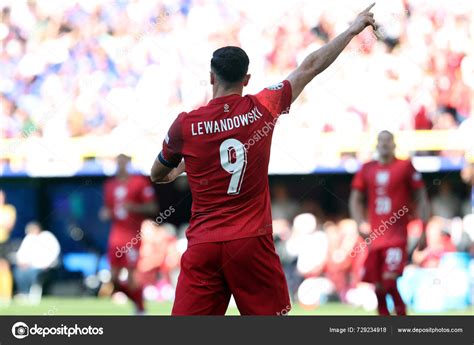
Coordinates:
309 245
7 222
342 239
438 242
281 234
283 207
468 225
446 119
459 237
414 230
38 252
467 175
158 253
446 203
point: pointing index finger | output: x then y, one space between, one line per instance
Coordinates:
368 8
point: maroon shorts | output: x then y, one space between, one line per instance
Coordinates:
382 261
248 268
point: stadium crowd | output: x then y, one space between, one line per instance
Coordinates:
87 68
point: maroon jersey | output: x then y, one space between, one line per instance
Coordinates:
388 189
136 189
226 148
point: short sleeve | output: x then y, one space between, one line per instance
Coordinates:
276 99
358 182
171 153
415 178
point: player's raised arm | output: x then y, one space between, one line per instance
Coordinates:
319 60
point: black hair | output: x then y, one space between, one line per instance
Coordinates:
230 64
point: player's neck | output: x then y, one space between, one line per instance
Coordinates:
222 92
386 160
122 176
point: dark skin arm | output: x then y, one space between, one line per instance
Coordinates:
423 212
357 212
163 174
146 209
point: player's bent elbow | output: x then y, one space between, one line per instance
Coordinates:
159 179
155 178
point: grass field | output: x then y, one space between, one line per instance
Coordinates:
104 306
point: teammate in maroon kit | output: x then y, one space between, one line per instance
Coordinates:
226 151
387 186
129 200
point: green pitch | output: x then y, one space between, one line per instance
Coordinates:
104 306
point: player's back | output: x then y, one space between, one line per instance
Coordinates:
226 148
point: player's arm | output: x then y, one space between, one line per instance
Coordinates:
145 201
161 173
105 212
147 208
422 204
357 201
357 211
420 198
169 163
423 212
319 60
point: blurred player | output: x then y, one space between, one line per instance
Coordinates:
467 175
386 187
226 151
7 222
129 200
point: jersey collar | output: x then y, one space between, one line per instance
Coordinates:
225 99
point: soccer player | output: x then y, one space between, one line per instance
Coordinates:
7 222
387 186
129 200
226 151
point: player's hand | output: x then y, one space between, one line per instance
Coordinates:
130 207
173 174
104 214
364 230
422 244
363 19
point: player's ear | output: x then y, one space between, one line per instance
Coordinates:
246 79
212 78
